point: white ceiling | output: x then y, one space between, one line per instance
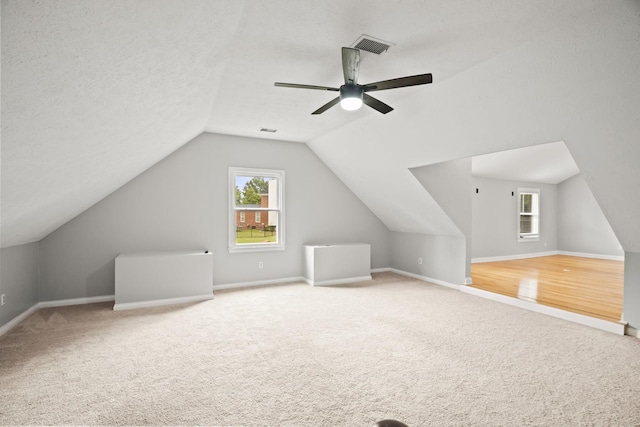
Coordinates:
546 163
95 92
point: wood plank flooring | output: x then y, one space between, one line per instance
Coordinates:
593 287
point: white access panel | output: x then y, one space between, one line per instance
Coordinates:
160 278
336 263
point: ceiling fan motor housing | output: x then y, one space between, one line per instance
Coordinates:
351 96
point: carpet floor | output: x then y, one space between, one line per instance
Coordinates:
295 355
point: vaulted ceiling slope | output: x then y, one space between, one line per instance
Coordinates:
577 83
94 93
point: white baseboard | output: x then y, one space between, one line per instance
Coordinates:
548 253
161 302
468 281
19 318
597 256
338 281
48 304
426 279
258 283
76 301
380 270
513 257
615 327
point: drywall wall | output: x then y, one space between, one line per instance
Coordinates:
181 203
450 184
631 309
582 227
19 278
495 218
442 257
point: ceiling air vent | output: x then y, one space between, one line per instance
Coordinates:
371 44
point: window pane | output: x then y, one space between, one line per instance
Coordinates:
528 214
254 226
253 232
254 191
256 211
525 202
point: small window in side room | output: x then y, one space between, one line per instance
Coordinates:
528 215
256 209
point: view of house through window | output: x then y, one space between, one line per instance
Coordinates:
256 209
528 214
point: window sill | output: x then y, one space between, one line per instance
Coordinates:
255 248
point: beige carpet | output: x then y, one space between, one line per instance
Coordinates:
294 355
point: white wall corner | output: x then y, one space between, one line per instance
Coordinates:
47 304
629 330
19 318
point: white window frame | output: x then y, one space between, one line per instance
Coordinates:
535 213
258 217
277 207
243 216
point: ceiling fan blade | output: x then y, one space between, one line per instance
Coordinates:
420 79
326 106
299 86
350 64
376 104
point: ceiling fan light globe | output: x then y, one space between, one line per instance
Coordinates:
350 97
351 104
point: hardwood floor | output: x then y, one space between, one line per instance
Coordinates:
593 287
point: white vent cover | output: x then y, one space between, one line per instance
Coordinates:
371 44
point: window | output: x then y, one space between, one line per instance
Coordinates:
528 215
256 209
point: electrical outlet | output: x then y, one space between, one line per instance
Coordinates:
2 299
419 260
260 264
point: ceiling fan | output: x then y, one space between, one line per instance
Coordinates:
352 94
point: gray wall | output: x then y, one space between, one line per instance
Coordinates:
582 227
181 204
19 279
495 218
449 183
443 257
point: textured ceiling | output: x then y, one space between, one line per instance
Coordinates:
95 92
